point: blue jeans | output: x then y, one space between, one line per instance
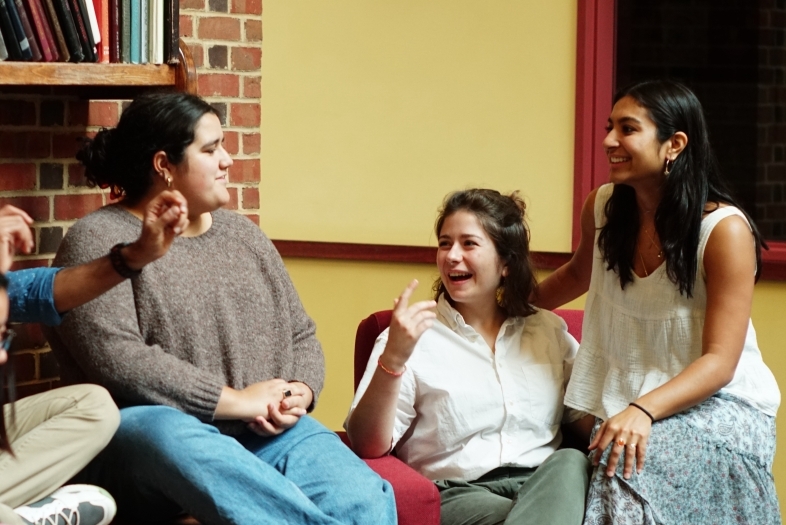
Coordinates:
162 461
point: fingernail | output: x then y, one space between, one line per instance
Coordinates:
177 231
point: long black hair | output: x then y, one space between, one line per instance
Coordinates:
693 181
502 217
121 158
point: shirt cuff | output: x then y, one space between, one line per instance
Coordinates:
31 296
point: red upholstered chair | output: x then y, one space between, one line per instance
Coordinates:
417 499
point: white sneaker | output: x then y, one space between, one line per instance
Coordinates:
71 505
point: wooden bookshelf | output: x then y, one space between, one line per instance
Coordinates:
180 76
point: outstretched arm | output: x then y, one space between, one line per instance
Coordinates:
572 279
165 218
370 426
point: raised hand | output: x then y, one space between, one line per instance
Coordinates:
406 326
166 217
15 235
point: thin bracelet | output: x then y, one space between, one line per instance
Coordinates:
389 371
652 419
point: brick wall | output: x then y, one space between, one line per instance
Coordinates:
771 168
39 134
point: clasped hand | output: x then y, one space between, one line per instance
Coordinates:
280 404
628 432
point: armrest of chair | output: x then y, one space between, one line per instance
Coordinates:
417 498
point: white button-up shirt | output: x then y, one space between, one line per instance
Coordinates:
464 410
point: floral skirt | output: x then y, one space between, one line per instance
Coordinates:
711 464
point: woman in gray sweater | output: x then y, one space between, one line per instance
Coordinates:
208 351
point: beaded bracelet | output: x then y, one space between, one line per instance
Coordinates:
652 419
119 263
389 371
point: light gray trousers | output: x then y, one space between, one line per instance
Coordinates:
54 435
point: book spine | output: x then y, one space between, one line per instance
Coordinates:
144 31
9 37
28 29
125 31
19 32
157 31
57 30
40 26
3 50
102 13
171 31
68 26
82 31
90 55
135 28
48 29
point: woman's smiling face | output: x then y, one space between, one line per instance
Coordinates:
468 263
635 154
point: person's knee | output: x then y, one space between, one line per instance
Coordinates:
159 427
570 458
95 404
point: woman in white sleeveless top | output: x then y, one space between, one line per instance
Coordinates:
669 364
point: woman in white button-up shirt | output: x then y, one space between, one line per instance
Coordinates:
469 388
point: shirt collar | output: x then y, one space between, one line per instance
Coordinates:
451 318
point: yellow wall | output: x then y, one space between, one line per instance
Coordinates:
373 111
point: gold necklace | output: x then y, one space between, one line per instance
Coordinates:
646 274
652 243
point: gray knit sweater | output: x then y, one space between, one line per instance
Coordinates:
219 309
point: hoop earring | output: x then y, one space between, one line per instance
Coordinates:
667 169
168 180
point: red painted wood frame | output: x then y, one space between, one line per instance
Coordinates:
595 44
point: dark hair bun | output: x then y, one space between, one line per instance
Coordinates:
94 155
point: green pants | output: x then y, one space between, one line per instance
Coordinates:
551 494
54 435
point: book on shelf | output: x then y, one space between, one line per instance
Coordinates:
156 25
68 25
125 31
9 35
18 31
57 30
114 30
171 30
144 31
101 8
136 27
28 30
41 27
83 30
3 50
90 9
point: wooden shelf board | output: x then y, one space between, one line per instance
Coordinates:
68 74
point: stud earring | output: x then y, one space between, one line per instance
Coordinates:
667 169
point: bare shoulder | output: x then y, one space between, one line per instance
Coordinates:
731 245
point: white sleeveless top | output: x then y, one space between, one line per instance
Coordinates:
638 339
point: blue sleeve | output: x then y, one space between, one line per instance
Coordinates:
31 294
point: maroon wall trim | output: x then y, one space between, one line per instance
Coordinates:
388 253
